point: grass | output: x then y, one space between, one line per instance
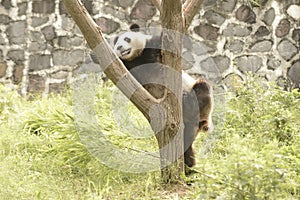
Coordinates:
255 154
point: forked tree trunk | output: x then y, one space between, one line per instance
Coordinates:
174 18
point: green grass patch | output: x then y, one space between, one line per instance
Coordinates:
255 154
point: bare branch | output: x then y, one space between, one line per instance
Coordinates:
113 67
190 9
157 4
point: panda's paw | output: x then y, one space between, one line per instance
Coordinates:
189 171
189 159
202 87
204 126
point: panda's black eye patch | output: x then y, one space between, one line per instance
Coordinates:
127 39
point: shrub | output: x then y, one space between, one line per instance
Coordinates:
257 155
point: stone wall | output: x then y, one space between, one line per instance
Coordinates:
42 50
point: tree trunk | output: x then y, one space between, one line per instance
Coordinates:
170 140
175 21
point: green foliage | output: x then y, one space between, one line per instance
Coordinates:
255 155
42 157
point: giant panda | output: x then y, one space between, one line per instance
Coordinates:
141 55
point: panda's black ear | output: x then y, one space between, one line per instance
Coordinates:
135 28
115 40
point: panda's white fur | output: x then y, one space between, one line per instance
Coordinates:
187 82
130 45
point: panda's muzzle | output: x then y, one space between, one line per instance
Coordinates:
125 52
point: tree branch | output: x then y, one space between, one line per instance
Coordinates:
157 4
111 64
190 9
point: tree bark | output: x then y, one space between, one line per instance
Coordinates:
190 9
157 4
170 140
175 21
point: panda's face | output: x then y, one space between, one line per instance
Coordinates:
130 45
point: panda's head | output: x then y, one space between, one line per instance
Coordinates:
131 44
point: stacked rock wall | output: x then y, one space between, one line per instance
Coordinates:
42 50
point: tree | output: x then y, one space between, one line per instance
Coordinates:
175 17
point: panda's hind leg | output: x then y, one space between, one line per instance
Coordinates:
190 132
197 111
204 94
